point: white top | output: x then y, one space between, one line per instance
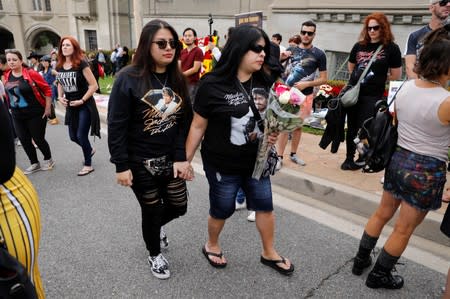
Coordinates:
419 128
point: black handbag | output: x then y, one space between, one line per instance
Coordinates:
379 135
14 280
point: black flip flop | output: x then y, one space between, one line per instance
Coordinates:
214 264
274 264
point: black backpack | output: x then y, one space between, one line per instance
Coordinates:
380 134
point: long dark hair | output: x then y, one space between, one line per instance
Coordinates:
239 43
144 63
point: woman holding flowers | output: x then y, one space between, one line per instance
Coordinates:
376 32
222 109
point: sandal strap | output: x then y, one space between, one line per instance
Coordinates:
215 254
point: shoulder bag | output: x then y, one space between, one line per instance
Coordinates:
351 94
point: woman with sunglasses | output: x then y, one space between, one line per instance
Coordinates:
416 175
222 109
29 98
76 89
386 66
147 144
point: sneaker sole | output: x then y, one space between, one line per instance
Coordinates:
48 168
157 275
30 172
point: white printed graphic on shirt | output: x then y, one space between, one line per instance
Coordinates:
162 113
68 81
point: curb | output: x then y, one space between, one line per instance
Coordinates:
353 200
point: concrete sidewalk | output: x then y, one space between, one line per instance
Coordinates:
321 178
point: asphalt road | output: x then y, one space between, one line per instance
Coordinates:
91 244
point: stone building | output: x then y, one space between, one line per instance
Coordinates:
39 24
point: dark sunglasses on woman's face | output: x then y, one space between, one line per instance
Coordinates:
162 44
256 48
374 28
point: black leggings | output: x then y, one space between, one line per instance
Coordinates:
33 128
162 199
356 115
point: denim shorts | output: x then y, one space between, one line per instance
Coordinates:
417 179
224 187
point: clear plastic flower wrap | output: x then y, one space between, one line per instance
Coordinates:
282 115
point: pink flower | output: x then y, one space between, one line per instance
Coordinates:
297 97
280 88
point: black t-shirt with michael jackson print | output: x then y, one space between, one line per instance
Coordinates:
144 124
375 80
73 81
231 139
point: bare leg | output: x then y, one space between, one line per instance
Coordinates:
382 215
281 143
296 135
405 225
215 226
447 287
265 222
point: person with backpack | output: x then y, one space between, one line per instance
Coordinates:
416 174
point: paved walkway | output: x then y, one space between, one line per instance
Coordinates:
320 163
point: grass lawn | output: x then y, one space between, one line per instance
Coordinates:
106 84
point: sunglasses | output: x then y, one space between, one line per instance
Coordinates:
308 33
256 48
374 28
12 51
162 44
442 2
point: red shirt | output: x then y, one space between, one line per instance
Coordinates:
187 59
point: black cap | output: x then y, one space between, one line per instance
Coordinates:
33 55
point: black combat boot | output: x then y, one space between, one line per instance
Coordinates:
362 259
381 276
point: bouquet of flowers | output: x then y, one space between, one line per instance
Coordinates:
282 115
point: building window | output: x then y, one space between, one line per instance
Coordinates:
37 5
1 5
337 65
91 40
48 6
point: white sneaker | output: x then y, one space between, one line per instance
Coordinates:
33 168
164 241
382 180
279 164
159 266
48 164
251 216
296 159
240 206
18 143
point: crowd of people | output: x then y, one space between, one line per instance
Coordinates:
161 108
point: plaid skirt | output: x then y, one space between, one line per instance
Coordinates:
416 179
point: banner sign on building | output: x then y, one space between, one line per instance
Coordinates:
252 18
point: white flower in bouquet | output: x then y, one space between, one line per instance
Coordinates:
282 115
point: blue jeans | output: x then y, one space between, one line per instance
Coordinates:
80 135
223 189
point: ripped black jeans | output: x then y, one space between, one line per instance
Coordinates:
161 198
